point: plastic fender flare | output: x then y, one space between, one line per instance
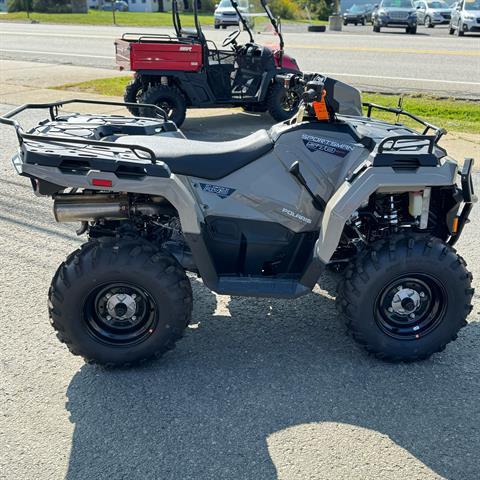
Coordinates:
350 196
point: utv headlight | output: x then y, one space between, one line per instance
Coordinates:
468 17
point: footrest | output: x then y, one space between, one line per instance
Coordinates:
261 287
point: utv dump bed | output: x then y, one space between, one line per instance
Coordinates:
138 52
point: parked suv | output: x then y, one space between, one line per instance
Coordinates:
465 17
358 14
395 13
225 15
433 13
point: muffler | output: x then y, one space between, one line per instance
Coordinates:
88 208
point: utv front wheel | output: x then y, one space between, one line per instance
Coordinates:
282 104
405 299
133 94
170 99
119 302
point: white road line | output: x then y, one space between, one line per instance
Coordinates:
408 79
378 77
38 52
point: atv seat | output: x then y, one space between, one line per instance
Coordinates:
209 160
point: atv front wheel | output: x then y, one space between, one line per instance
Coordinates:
405 299
133 94
119 302
282 104
170 99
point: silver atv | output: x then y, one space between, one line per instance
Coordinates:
262 216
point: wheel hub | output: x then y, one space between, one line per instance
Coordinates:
406 301
120 314
410 306
121 306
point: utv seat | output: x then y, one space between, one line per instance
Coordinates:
209 160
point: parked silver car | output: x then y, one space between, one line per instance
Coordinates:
225 15
431 13
465 17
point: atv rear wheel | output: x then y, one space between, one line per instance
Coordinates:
133 94
405 299
119 302
170 99
282 104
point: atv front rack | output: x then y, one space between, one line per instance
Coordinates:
399 111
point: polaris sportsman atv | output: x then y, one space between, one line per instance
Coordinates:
187 70
261 216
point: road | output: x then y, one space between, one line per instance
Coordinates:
431 61
257 390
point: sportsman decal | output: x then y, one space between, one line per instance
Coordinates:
320 144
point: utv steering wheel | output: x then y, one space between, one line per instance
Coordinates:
231 38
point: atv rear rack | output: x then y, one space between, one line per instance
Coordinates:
35 149
438 132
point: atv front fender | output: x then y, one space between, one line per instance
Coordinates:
353 193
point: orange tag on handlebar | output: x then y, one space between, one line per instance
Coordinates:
320 108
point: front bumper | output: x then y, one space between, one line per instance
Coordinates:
472 25
397 23
227 20
469 198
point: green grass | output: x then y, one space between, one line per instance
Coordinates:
99 17
133 19
114 86
454 115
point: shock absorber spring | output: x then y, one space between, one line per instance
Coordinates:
392 211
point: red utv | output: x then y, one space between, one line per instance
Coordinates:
189 71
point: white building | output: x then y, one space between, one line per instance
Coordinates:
143 5
135 5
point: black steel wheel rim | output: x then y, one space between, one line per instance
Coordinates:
167 107
120 314
410 306
290 101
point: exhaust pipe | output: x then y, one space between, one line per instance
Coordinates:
89 208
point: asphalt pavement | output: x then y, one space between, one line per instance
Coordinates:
430 62
257 390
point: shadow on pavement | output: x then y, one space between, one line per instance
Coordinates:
225 403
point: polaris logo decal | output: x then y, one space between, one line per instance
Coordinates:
185 49
319 144
222 192
297 216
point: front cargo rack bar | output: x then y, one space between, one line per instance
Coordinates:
439 132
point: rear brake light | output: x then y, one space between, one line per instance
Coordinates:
99 182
